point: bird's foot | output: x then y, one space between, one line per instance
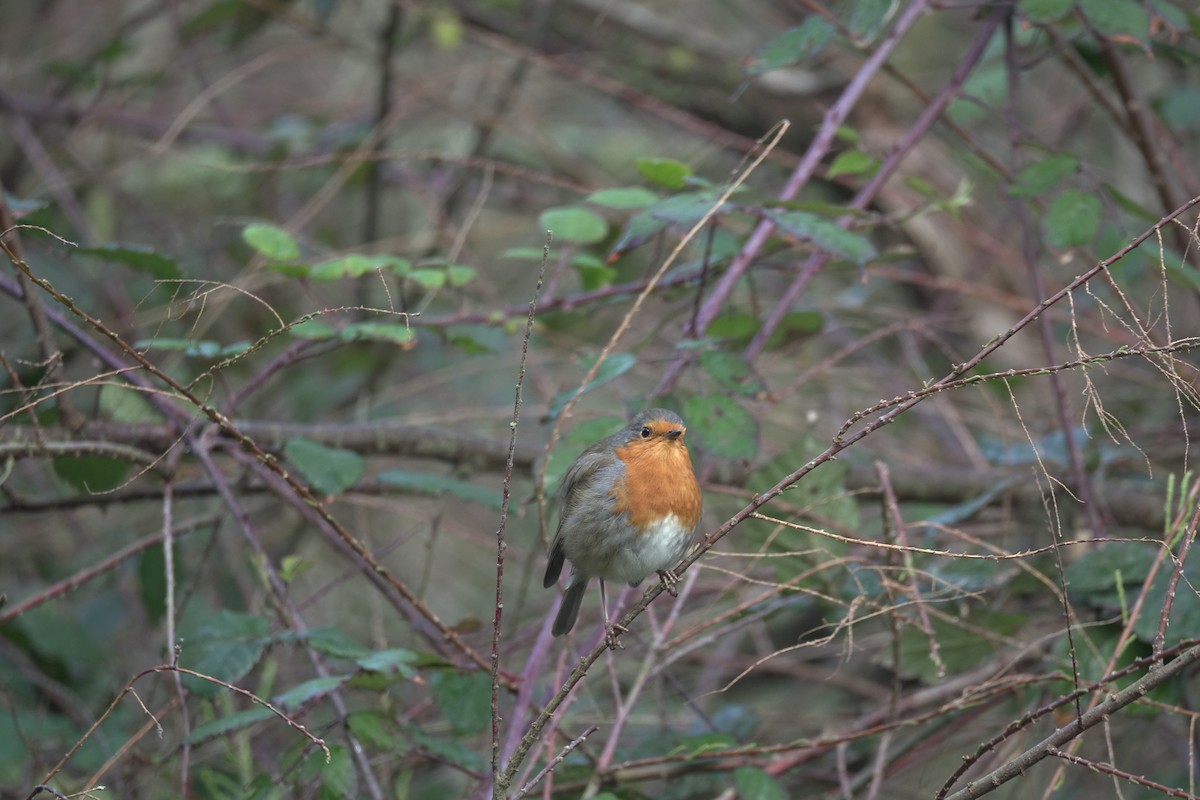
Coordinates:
670 581
610 636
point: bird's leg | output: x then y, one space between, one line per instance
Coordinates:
610 629
670 581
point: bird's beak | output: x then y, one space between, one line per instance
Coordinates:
675 434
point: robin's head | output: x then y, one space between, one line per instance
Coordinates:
658 426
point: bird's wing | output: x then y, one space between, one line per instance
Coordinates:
577 482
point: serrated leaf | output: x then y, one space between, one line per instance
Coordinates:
271 241
825 234
139 257
1040 176
574 225
328 470
627 197
665 172
613 367
792 46
464 698
720 426
225 646
437 485
1072 219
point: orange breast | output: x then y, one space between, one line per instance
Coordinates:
659 481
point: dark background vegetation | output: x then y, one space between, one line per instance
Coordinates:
267 275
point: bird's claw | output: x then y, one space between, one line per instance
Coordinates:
610 636
670 581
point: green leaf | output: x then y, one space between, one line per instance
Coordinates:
757 784
825 234
337 777
720 426
1180 108
736 327
225 646
437 485
796 325
229 723
449 750
687 209
1040 176
639 229
353 265
393 332
731 372
373 729
271 241
959 646
526 253
627 197
1045 11
595 275
91 474
137 256
396 661
328 470
333 642
852 162
152 580
1118 19
792 46
205 348
574 225
313 329
613 367
430 279
665 172
464 698
308 690
1072 219
867 18
460 275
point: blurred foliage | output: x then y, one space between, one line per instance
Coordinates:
303 238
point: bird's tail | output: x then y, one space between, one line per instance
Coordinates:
569 610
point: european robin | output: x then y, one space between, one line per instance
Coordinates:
628 506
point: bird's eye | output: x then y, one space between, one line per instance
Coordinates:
645 431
